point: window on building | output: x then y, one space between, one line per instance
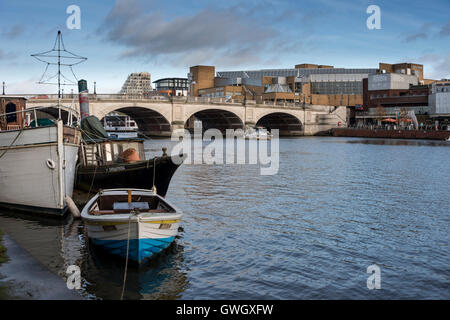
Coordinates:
11 108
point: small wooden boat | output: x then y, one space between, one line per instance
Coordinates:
136 222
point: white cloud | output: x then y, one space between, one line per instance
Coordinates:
203 37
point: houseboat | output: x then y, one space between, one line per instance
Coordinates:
38 155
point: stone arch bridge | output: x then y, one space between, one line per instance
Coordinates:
159 116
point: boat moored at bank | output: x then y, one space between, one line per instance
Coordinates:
131 223
106 163
37 159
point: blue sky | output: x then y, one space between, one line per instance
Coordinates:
166 37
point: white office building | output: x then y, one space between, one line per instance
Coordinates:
439 100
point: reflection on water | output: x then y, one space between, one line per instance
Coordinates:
336 206
161 278
58 244
399 142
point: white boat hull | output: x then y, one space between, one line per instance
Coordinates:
148 233
37 171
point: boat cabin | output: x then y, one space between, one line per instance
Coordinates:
112 152
12 113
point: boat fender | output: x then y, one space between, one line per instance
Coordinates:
73 208
51 164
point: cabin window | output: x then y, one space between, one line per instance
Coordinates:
11 107
115 150
139 147
93 154
108 153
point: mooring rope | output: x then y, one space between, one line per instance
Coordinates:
92 182
132 213
154 175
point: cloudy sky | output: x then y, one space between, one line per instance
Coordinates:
166 37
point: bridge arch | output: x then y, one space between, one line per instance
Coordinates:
215 118
149 121
288 123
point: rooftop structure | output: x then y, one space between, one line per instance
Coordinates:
300 73
402 68
391 81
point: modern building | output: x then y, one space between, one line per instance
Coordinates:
172 86
138 83
308 83
391 95
439 100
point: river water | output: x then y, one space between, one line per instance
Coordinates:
336 206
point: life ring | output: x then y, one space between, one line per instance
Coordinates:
51 164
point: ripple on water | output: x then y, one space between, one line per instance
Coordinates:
335 207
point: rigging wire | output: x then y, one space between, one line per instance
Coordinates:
64 58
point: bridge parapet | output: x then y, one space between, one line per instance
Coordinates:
47 98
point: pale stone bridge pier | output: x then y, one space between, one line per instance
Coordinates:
159 116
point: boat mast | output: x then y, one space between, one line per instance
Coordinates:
59 64
64 58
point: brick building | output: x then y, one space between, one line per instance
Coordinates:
9 119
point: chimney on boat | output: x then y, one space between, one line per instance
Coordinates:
84 98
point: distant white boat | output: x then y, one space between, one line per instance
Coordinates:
122 134
257 133
37 162
136 222
120 126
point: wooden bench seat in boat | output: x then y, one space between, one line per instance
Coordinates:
105 212
126 207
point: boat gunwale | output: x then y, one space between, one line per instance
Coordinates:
121 164
125 217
